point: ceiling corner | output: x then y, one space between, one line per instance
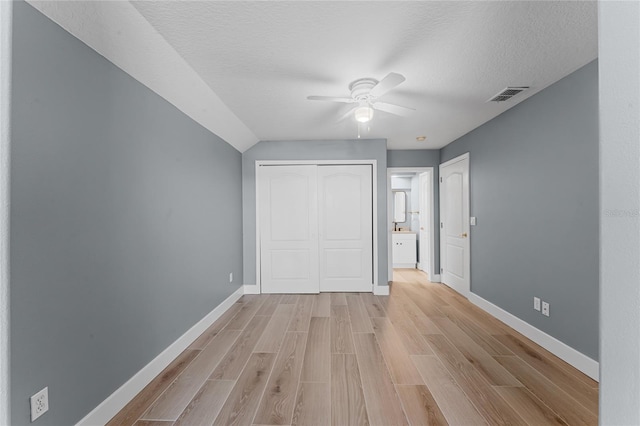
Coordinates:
118 32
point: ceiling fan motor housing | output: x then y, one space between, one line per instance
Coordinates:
361 88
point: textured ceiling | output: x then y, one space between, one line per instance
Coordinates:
243 69
264 58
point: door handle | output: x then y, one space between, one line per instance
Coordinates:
464 235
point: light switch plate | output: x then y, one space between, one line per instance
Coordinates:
472 221
536 303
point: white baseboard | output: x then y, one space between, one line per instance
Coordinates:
436 278
381 290
577 359
251 289
121 397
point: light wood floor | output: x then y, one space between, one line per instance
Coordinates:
423 355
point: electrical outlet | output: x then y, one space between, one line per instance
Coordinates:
536 303
545 309
230 277
39 403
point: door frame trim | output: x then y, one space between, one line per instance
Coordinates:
455 160
465 156
418 171
374 190
431 262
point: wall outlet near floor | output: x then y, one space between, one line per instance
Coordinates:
230 277
536 303
545 309
39 403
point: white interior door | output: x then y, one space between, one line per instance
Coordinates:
426 221
288 208
454 217
345 228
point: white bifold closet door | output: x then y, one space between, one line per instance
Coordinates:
316 228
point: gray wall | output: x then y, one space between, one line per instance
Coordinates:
534 190
6 19
619 45
413 158
359 149
125 223
423 158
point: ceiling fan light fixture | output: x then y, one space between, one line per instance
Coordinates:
364 114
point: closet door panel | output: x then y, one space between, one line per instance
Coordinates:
345 228
288 203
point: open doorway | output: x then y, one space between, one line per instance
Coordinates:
410 212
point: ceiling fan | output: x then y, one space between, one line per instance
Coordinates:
365 93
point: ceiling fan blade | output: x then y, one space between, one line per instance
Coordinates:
391 108
389 82
330 99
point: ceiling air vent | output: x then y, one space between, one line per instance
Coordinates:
507 94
